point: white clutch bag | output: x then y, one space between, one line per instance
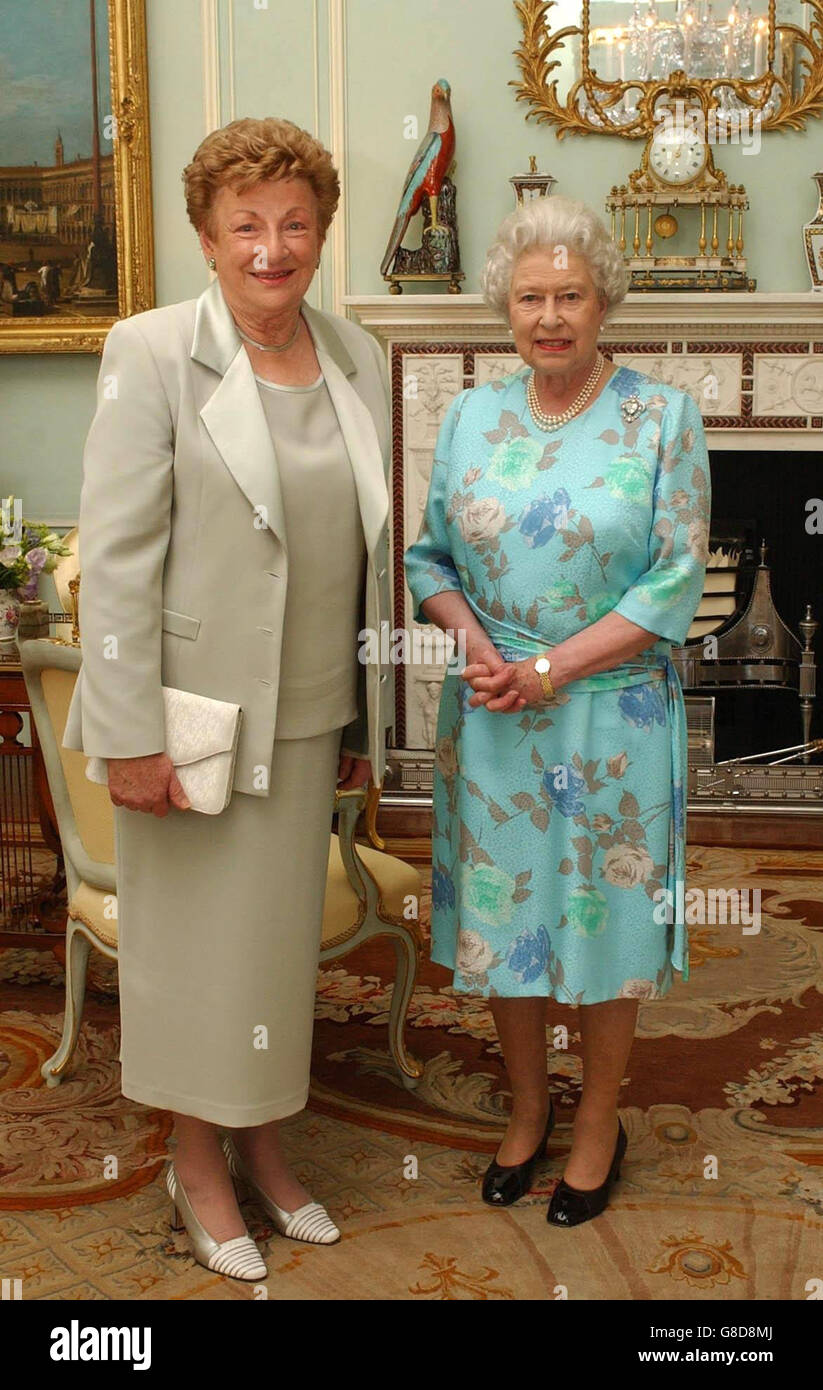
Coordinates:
201 739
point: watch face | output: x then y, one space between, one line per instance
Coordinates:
542 666
677 154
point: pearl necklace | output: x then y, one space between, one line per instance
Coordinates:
551 422
265 347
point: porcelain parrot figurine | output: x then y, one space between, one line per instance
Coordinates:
427 170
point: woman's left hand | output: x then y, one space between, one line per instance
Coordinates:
511 689
352 772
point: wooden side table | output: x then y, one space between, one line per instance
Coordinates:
32 912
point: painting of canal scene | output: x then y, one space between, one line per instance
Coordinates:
68 141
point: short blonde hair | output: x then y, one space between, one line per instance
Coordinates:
554 221
244 152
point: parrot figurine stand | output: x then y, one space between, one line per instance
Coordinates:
428 189
439 256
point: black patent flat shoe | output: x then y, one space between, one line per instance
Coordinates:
570 1206
504 1185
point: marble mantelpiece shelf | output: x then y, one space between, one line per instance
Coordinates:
765 351
777 314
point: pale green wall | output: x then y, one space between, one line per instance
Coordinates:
47 400
271 64
397 52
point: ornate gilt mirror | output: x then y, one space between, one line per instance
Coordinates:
598 65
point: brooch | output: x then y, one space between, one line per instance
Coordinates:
631 407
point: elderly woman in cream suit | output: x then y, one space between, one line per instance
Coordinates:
234 542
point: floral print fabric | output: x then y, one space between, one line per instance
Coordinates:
555 830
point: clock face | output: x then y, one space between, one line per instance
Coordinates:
677 154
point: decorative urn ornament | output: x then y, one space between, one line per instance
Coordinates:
9 619
533 184
34 620
813 239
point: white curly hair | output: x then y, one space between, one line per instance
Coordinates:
549 222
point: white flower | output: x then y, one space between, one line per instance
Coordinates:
474 954
482 520
627 865
638 989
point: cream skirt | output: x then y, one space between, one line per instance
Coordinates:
220 920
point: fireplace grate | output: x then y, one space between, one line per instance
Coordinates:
754 649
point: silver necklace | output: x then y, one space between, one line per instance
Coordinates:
266 347
551 422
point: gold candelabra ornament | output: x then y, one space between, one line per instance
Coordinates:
74 591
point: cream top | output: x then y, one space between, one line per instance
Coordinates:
326 561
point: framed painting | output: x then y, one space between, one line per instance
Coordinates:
76 248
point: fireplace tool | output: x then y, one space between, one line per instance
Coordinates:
755 649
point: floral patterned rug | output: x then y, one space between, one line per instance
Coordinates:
722 1189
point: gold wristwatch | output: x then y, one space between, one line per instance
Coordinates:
543 666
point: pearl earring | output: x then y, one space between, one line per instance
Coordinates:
212 263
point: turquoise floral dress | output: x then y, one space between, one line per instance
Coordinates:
558 843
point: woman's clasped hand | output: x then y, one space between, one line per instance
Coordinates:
503 687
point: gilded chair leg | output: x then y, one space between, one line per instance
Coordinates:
372 807
405 977
77 956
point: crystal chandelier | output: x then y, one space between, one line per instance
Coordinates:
694 38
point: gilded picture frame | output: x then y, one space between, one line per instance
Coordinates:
76 236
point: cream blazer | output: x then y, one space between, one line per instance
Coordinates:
183 551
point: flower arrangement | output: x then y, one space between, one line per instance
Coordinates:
23 561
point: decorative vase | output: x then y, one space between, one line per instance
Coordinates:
9 618
813 239
34 620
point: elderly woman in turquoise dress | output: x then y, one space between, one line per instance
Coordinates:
564 539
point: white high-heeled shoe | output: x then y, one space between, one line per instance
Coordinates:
310 1222
239 1258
